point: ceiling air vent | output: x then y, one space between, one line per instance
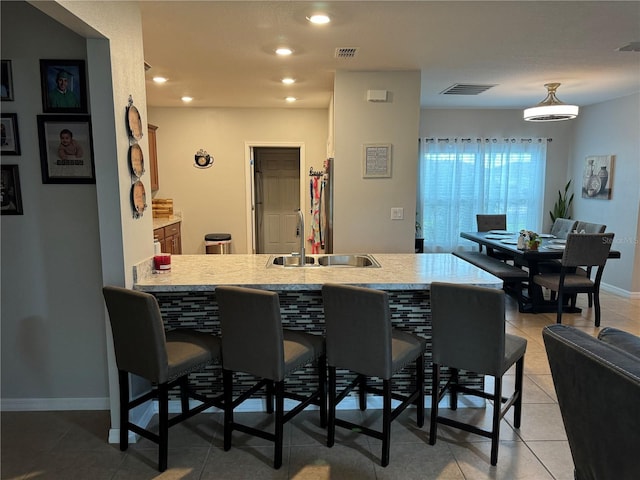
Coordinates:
146 66
466 89
630 47
348 52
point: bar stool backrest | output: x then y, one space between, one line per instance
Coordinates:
138 333
468 327
357 316
251 326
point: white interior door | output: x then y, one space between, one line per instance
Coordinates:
277 197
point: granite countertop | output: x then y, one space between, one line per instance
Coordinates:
397 272
159 222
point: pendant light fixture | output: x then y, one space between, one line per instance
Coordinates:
551 109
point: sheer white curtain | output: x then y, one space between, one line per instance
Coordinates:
459 178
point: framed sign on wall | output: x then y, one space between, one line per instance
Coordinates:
376 160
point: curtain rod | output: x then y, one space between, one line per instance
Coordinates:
486 140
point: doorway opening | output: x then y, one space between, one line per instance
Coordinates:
276 196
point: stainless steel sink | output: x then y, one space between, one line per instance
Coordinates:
290 260
319 261
360 261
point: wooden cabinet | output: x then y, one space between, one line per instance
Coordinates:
153 158
169 238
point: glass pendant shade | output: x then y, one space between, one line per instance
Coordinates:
551 109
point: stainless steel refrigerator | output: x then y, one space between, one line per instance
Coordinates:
327 207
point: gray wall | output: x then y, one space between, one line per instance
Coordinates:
53 335
72 239
612 128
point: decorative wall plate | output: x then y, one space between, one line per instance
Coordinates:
136 160
138 199
134 122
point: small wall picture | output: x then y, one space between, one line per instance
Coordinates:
63 86
9 139
6 81
376 160
10 194
597 178
66 149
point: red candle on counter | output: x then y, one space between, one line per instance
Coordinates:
162 262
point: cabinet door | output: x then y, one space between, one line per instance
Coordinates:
166 245
158 234
176 244
173 238
153 158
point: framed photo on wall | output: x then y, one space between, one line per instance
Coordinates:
597 179
6 81
66 149
9 138
10 194
64 86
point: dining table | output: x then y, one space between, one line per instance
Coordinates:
549 250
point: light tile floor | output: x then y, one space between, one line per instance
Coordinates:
72 445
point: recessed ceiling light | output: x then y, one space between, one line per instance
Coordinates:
319 19
186 99
288 80
159 79
283 51
291 99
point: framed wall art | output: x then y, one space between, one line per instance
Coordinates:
9 138
64 86
6 81
597 179
66 149
10 193
376 160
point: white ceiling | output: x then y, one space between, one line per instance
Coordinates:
221 53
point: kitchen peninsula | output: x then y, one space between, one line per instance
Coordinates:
187 298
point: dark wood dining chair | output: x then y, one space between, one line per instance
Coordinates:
562 227
586 250
587 227
488 222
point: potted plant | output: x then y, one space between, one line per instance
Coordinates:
562 206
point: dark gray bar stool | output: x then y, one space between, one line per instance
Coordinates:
360 338
468 333
254 342
143 348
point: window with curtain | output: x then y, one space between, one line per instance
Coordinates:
459 178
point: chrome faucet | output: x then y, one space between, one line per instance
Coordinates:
300 229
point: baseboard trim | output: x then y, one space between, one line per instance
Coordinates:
53 404
605 287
